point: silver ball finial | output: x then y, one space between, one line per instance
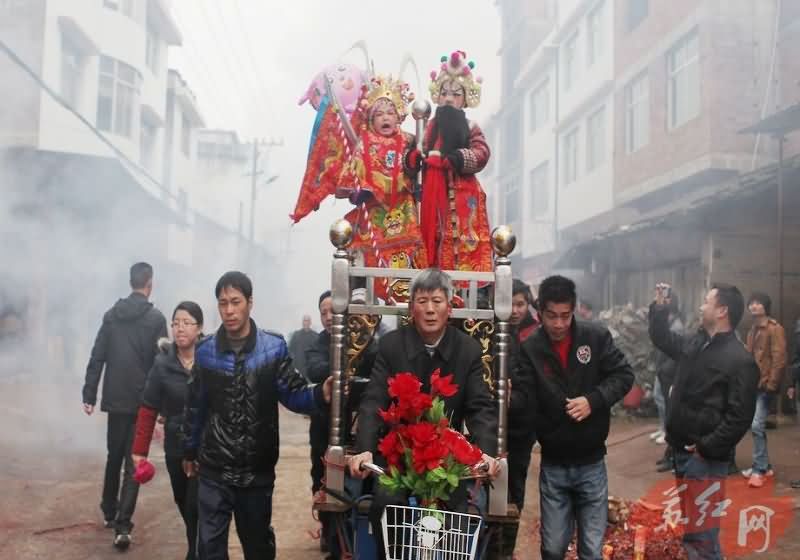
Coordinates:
421 109
503 241
341 233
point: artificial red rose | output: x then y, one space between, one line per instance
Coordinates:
391 448
391 415
442 385
422 434
428 457
463 451
411 408
403 386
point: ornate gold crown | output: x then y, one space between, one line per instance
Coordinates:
455 68
395 91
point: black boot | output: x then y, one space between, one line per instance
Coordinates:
665 464
732 468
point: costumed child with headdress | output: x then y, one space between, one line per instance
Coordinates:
453 217
386 229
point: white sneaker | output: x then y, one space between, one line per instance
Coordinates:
661 440
655 435
122 541
748 472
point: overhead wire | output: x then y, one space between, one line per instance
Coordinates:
200 71
195 60
256 68
233 65
121 156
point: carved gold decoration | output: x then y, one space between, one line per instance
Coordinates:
360 332
483 331
399 290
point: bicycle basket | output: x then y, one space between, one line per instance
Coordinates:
412 533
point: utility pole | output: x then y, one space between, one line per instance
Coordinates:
254 174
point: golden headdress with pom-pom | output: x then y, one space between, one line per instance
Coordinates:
456 68
396 92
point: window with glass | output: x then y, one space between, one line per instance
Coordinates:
683 63
570 157
540 190
117 97
147 142
637 113
512 137
512 202
72 65
637 12
596 139
595 43
540 106
152 51
186 136
570 62
124 6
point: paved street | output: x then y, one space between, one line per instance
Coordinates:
52 461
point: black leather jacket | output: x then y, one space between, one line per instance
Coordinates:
713 399
232 420
596 369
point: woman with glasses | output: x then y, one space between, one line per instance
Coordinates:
165 395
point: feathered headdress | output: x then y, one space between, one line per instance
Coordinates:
455 68
397 92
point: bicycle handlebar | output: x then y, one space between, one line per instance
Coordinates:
479 471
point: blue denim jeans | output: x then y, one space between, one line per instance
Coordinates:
690 468
661 404
760 455
570 494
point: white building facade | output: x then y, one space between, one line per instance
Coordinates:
555 127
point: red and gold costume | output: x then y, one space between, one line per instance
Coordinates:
385 225
454 219
370 172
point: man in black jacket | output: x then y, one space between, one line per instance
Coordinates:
239 376
794 373
576 375
126 346
318 369
711 405
421 348
299 342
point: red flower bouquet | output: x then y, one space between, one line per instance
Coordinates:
426 457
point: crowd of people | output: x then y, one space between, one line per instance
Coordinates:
217 398
417 204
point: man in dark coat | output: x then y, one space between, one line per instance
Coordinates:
712 402
421 348
239 376
299 343
126 346
521 434
576 374
794 371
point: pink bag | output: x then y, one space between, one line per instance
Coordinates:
144 472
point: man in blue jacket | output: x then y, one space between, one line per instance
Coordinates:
239 376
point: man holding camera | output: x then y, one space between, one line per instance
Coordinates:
711 404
